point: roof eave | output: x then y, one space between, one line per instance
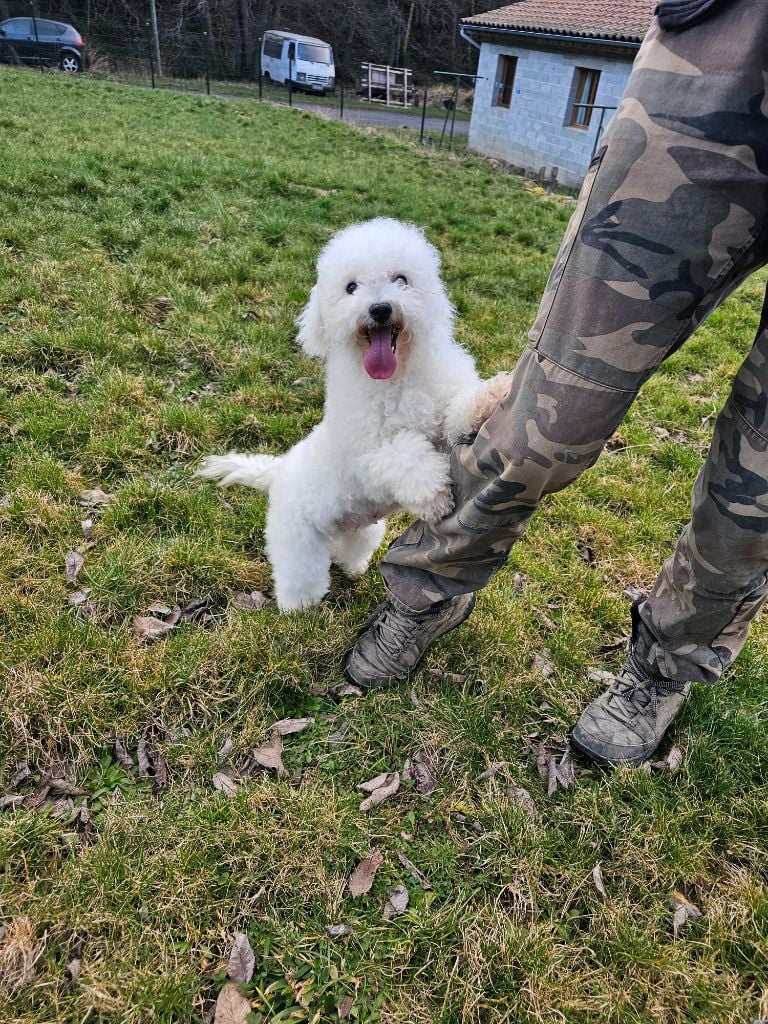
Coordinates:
562 37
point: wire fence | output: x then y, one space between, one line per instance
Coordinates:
194 61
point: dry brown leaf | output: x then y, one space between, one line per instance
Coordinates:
231 1007
551 775
78 597
597 878
493 769
64 787
383 792
374 783
397 903
11 801
161 770
422 773
338 931
122 755
671 763
74 968
95 497
361 879
224 784
635 593
565 772
542 664
22 773
269 754
159 608
142 757
416 874
148 628
288 726
242 960
73 563
225 750
523 799
345 1007
684 911
86 525
249 602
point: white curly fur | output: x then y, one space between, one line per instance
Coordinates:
381 446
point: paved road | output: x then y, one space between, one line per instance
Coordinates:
387 118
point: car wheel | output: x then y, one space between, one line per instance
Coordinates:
71 64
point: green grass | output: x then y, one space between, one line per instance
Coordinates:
113 197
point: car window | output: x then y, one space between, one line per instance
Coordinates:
47 29
273 47
315 52
18 28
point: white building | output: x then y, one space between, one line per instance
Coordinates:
552 73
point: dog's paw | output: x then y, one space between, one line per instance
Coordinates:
488 397
441 506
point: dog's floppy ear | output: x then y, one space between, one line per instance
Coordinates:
312 336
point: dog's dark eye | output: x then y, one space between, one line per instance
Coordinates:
402 279
351 287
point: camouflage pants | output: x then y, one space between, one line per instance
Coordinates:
671 218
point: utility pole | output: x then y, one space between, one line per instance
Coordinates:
155 36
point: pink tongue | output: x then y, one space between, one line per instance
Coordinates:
380 361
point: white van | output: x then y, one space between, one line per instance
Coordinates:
308 62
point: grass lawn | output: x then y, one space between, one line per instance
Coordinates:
155 250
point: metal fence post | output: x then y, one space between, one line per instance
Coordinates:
341 102
423 115
260 42
453 118
34 29
150 54
207 69
290 81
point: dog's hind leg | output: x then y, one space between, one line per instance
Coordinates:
300 559
351 550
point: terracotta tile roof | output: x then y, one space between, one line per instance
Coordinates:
625 20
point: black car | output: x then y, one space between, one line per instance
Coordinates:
37 41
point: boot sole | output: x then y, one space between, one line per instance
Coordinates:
387 683
604 762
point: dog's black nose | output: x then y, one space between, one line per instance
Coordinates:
381 312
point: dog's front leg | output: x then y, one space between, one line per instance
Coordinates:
409 472
469 409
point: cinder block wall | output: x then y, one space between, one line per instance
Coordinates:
532 132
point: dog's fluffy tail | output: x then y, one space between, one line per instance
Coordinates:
255 471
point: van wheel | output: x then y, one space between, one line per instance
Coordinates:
266 76
71 64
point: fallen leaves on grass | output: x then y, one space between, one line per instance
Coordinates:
338 931
73 564
362 878
684 911
415 873
521 798
597 878
148 628
270 754
381 788
420 768
231 1007
242 960
224 784
397 903
288 726
672 763
345 1007
554 763
95 498
336 692
542 664
249 602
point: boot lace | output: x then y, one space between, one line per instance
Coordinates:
636 693
395 631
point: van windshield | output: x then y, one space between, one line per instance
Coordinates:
315 52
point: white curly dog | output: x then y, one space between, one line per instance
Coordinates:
399 391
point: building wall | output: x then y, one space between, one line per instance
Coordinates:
532 132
